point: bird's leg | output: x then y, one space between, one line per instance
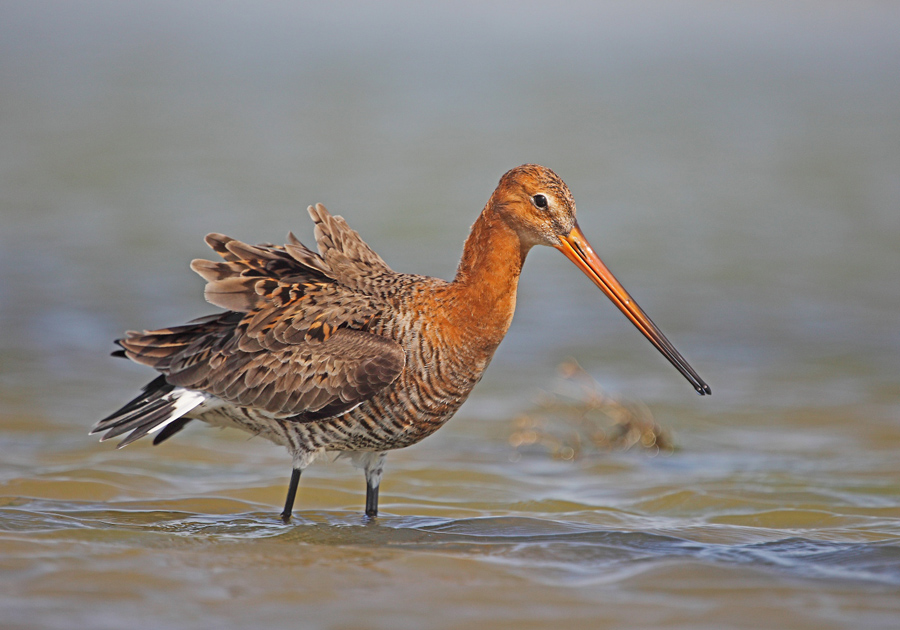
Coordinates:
371 500
373 464
291 495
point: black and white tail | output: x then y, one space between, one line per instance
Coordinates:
160 407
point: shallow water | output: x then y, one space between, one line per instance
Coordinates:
736 166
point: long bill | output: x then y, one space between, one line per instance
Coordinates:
577 249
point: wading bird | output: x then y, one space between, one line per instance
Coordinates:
335 351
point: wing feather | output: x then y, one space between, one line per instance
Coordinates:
347 368
295 340
350 259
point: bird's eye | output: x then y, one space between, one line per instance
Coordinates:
540 201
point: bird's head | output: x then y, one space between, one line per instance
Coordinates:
536 203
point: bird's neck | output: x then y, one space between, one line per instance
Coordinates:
484 290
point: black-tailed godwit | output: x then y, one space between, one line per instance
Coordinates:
335 351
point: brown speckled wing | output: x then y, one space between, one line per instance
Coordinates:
295 341
351 261
245 278
334 372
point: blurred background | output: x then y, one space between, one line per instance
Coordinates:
736 164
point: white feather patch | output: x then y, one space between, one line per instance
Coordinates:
185 401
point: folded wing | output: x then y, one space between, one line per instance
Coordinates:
296 339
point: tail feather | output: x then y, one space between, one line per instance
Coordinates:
159 405
154 390
137 418
170 429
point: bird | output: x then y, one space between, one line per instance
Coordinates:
333 351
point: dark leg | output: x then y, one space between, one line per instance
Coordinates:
292 493
373 463
371 501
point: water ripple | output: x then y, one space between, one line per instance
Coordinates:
552 551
